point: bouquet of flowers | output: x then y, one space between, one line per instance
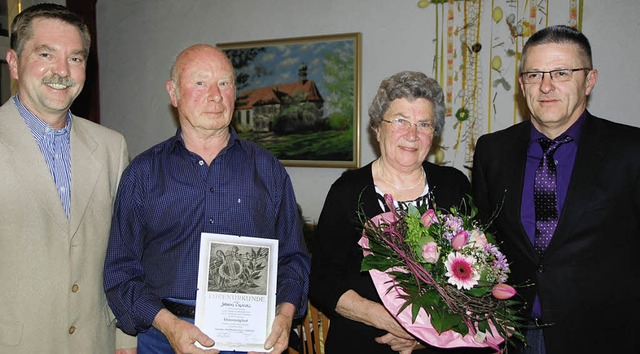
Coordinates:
442 276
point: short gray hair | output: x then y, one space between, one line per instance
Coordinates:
410 85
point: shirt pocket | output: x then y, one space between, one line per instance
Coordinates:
250 215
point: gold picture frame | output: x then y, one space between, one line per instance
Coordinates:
300 97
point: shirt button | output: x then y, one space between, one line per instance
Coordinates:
74 288
211 189
72 329
210 220
201 162
540 268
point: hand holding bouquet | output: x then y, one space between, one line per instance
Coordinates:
442 276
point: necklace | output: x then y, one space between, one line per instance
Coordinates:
397 187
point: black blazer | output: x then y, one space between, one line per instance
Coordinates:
588 270
337 257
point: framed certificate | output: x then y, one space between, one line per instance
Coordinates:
236 298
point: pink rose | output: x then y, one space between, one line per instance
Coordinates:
478 238
429 217
430 252
503 291
460 239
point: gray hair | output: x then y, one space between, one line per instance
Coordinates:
410 85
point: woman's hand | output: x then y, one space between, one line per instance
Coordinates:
398 344
354 307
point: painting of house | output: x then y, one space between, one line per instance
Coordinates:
256 109
299 97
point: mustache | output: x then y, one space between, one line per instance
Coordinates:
58 80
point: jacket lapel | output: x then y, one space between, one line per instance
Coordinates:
586 170
514 168
28 164
85 169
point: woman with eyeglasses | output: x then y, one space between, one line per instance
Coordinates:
406 114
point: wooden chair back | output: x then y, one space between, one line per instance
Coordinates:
313 332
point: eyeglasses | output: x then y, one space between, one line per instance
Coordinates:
402 124
560 75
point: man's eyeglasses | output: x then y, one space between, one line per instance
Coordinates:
402 124
536 77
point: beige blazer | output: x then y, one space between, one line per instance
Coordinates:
52 298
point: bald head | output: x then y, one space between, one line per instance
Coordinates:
196 50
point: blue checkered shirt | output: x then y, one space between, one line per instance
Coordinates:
168 196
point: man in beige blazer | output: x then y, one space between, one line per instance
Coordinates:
58 179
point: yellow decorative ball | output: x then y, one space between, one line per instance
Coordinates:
439 156
496 62
497 14
423 3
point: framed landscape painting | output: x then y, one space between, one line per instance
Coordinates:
300 98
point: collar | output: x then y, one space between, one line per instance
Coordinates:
574 131
233 139
38 126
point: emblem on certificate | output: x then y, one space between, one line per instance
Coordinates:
236 298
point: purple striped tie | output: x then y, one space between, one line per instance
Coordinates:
544 194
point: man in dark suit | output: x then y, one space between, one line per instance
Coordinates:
580 300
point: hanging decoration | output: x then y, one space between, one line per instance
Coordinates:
469 122
458 69
464 53
522 19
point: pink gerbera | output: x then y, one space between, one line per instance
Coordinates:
460 271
